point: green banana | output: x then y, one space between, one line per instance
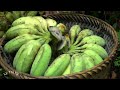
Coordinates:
19 52
21 29
15 43
22 13
4 24
97 48
68 40
62 27
58 66
74 30
83 34
32 13
97 59
41 60
23 62
68 70
56 32
62 44
77 63
28 20
43 22
51 22
9 16
16 14
92 39
89 62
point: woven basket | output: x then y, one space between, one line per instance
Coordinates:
101 28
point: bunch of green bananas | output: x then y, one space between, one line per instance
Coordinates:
81 50
7 17
44 47
86 50
13 15
4 24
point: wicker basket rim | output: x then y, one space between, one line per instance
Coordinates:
83 72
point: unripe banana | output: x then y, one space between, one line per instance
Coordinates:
19 52
62 27
43 22
22 13
58 66
4 24
32 13
16 14
21 29
28 20
68 40
74 30
83 34
41 61
68 70
97 48
9 16
89 62
21 49
97 59
92 39
26 58
56 32
62 44
77 63
15 43
51 22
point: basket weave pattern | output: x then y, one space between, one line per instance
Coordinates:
101 28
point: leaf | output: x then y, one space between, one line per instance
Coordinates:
115 25
118 33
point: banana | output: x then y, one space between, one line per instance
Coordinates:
97 48
89 62
63 44
19 52
83 34
77 63
4 24
51 22
41 60
68 40
22 13
9 16
97 59
32 13
15 43
28 20
62 27
23 62
43 22
58 66
21 29
92 39
56 32
68 70
74 30
16 14
73 49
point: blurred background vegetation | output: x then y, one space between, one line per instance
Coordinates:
111 17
